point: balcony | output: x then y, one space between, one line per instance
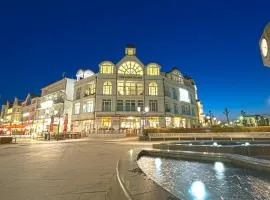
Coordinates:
58 100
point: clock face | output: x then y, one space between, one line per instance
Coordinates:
264 47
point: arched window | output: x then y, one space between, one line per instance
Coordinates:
106 68
130 68
177 76
107 88
153 89
153 70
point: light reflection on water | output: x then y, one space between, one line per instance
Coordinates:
200 181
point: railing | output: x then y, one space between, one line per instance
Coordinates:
211 136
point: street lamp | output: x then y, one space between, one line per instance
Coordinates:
143 112
56 113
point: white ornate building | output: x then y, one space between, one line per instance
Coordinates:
110 98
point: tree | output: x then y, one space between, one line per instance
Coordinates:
243 114
226 113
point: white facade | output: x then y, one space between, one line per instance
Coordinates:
110 99
55 104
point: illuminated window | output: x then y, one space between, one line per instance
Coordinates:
106 68
88 106
106 105
176 76
130 88
107 88
140 89
106 122
77 108
120 88
153 89
91 89
130 68
152 70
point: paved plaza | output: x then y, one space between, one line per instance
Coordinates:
60 170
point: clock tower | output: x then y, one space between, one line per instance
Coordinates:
265 45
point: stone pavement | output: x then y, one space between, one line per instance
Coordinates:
59 170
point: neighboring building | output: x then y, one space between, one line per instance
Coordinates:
201 114
255 120
11 116
110 99
12 112
29 107
55 107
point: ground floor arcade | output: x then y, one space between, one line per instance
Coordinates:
119 123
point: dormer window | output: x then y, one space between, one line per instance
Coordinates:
106 68
153 70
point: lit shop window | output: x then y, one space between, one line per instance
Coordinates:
77 108
106 68
88 106
153 122
130 68
106 122
152 70
153 89
107 88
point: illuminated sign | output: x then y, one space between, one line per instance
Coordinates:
184 95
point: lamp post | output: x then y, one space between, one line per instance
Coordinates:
143 112
57 114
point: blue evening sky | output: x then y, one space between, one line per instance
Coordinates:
215 42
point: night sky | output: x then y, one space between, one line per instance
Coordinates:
215 42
